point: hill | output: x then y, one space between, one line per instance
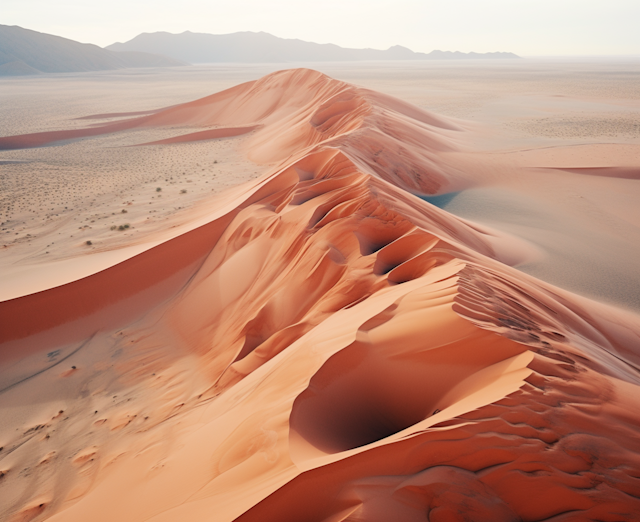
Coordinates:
23 51
249 47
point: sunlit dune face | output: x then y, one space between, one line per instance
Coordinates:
410 362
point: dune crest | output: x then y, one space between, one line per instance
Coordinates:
332 347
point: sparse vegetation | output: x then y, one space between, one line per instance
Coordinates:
123 227
89 203
89 243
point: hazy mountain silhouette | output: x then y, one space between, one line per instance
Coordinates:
252 47
23 51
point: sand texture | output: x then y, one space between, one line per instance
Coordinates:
322 340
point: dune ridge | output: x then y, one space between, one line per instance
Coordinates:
300 110
331 347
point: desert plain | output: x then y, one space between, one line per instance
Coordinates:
338 292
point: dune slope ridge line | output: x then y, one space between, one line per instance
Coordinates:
328 346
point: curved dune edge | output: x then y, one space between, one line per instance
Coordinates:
328 347
30 279
211 134
109 115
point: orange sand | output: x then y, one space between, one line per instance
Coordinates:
326 345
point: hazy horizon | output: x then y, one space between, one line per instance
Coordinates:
527 28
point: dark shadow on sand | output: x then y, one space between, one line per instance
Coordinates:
441 201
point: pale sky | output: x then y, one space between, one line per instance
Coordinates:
525 27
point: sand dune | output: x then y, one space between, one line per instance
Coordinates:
323 345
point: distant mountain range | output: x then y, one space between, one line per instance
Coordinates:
248 47
23 51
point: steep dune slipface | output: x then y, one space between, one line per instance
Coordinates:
330 348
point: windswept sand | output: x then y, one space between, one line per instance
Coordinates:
323 341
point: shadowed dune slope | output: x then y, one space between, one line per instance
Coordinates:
329 348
